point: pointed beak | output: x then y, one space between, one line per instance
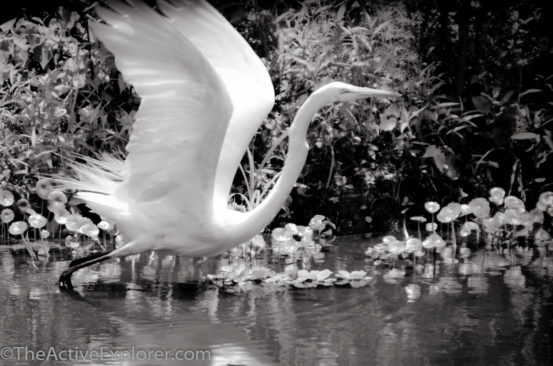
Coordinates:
369 92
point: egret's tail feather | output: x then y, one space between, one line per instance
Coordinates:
106 206
102 175
96 182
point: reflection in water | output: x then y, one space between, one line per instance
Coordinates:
491 310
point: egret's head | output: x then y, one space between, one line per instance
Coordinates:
342 92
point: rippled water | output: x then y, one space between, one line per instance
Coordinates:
494 310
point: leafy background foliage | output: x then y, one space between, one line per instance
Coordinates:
476 111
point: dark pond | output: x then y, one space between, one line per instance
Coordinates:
493 310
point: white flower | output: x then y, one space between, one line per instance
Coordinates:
43 188
432 206
497 194
6 198
37 221
44 234
18 228
7 216
317 223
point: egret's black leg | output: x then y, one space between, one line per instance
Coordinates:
64 281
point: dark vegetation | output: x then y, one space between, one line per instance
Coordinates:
476 113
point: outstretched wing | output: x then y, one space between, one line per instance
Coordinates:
243 73
184 113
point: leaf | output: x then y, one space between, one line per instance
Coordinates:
492 163
482 104
416 113
389 124
452 116
445 105
548 140
33 137
73 17
21 43
42 55
435 87
433 116
506 97
403 126
529 91
546 122
443 163
38 20
439 160
526 136
7 25
431 151
468 117
121 83
392 110
481 160
340 13
379 28
457 129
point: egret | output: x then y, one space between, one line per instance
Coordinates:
204 93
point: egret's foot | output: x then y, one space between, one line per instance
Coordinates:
64 282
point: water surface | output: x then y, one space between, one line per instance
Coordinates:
493 310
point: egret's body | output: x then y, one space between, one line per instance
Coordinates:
204 94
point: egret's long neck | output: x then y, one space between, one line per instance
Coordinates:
252 222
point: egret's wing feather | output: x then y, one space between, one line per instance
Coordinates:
243 73
184 105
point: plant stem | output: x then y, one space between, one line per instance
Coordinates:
453 240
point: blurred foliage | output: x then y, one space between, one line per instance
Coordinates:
349 153
60 95
483 44
476 111
494 60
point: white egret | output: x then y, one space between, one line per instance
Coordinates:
204 94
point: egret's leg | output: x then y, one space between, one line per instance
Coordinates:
64 281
